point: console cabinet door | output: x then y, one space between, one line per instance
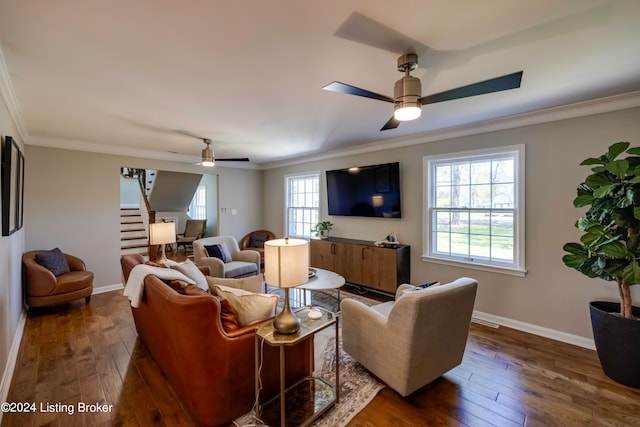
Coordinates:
322 254
348 262
380 268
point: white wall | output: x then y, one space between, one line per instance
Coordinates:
72 201
11 249
551 295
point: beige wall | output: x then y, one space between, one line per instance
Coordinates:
11 249
551 295
73 201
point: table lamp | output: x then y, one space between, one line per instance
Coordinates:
286 265
162 233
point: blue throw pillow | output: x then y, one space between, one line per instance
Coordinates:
54 261
218 251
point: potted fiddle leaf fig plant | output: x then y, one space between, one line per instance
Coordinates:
322 228
609 249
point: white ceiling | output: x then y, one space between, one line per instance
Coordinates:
122 75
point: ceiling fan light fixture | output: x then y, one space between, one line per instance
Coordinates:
207 156
407 92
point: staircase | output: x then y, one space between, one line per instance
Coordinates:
133 234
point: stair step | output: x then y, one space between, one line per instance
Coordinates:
130 226
131 219
134 246
137 232
127 243
134 251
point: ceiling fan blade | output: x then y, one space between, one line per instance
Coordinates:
352 90
362 29
187 133
509 81
236 159
391 124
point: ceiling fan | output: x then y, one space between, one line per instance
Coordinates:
407 93
208 158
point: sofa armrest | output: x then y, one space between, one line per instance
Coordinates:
40 281
247 255
215 265
361 328
75 263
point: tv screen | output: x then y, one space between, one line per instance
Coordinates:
368 191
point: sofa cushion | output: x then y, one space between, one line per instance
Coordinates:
189 269
251 307
251 283
54 261
228 316
239 268
220 251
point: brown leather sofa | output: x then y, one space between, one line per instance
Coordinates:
211 371
43 288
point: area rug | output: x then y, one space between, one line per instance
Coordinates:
357 387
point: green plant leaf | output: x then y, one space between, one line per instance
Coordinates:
575 248
614 250
599 179
603 191
636 213
631 273
594 236
584 200
635 179
592 161
573 260
617 148
618 167
634 150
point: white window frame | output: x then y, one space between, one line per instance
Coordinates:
314 211
194 207
516 268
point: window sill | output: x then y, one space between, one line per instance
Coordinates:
476 266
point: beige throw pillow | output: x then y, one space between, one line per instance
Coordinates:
251 307
251 283
189 269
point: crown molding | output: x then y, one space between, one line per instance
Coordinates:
546 115
9 97
70 144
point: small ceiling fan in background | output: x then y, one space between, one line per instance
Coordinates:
208 158
407 94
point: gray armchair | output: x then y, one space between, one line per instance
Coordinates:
242 263
411 341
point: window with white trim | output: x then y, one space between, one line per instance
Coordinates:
474 210
198 205
302 204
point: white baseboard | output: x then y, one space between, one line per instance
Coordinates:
108 288
536 330
12 358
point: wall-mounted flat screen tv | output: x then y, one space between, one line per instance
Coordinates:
368 191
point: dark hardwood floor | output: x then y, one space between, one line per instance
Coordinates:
91 354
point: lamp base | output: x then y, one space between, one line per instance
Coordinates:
163 257
286 322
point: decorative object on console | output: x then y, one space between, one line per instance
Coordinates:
322 229
162 233
286 265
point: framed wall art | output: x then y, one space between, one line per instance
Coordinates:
12 186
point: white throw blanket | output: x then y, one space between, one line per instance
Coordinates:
135 284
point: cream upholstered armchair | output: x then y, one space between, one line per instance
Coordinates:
411 341
224 258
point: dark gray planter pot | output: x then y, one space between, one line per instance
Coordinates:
617 342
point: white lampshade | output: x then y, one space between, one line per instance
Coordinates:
162 233
286 262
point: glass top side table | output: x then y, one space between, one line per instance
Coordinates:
310 397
